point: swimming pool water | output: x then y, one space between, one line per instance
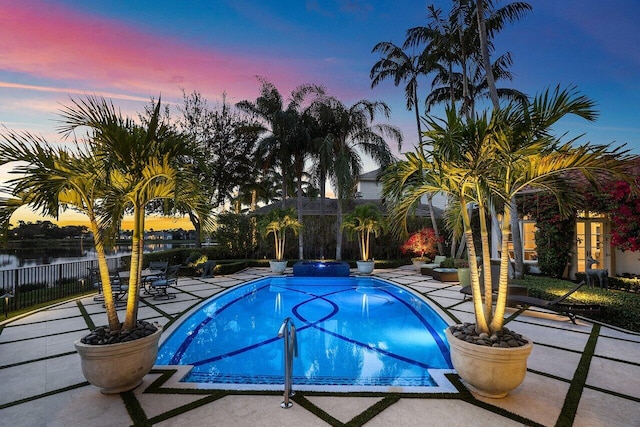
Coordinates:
362 332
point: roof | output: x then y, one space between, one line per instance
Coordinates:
311 206
371 176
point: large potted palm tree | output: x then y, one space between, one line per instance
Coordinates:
120 166
364 220
486 162
278 222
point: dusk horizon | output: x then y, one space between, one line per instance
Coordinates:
134 52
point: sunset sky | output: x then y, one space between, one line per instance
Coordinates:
133 50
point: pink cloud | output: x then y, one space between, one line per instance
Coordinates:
51 41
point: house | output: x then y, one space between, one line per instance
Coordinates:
592 235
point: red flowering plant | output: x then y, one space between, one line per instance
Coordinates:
625 218
423 243
623 208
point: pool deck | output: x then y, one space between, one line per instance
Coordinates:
581 375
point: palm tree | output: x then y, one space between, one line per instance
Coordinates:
288 142
497 19
53 180
399 65
141 164
364 220
479 161
278 222
349 131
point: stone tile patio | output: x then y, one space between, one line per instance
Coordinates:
42 383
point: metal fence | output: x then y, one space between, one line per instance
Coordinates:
29 286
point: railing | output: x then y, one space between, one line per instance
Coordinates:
28 286
288 332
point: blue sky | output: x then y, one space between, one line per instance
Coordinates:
135 49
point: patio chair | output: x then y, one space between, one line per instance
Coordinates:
160 287
94 279
160 266
558 305
119 287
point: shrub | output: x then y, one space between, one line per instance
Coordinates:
422 243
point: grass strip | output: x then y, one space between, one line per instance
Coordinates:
443 308
40 396
306 404
137 414
613 393
212 397
571 401
467 396
26 362
85 315
42 336
155 307
372 411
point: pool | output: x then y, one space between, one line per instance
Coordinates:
353 333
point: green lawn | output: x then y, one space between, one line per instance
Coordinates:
619 308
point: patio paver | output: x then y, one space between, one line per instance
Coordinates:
42 383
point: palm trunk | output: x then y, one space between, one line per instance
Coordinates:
137 245
486 264
434 223
484 49
109 303
501 302
323 188
516 238
339 228
481 321
195 221
300 218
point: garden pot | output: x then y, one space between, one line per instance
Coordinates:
464 276
278 267
366 267
121 366
489 371
417 262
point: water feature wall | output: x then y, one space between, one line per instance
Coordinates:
321 269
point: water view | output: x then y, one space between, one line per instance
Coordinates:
29 254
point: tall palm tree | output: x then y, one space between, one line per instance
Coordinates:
288 141
141 164
497 19
350 131
480 161
403 67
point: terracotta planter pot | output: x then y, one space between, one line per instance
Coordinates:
278 267
489 371
119 367
366 267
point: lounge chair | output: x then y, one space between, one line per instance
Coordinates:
557 304
160 287
512 291
427 269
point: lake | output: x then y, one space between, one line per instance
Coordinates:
32 253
